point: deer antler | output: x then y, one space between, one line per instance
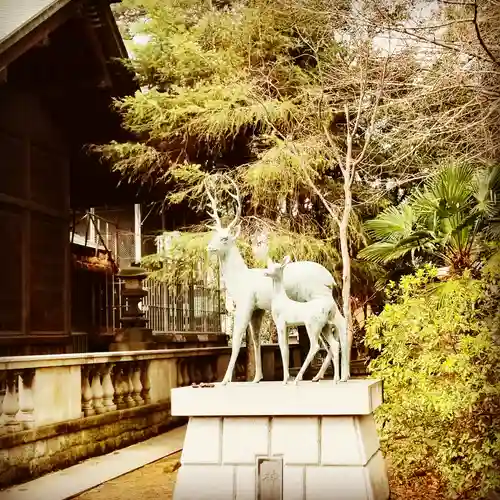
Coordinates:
237 198
213 202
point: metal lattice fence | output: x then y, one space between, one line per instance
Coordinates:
182 308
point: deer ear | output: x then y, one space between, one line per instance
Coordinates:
269 262
286 260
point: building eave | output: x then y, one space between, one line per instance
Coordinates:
29 19
25 24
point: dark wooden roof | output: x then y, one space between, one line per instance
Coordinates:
19 17
25 23
68 53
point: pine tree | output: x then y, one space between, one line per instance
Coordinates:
319 127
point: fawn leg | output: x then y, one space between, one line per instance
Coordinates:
321 372
324 366
334 351
313 349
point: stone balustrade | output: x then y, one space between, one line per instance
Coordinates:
57 410
43 390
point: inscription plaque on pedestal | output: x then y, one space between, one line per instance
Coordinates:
269 478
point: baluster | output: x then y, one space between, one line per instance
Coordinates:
97 392
125 386
26 401
129 399
180 380
214 365
200 370
208 373
190 371
87 407
186 375
194 371
108 391
119 389
146 383
3 375
137 384
11 403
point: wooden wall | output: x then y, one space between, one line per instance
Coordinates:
34 208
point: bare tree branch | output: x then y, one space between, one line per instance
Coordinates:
480 37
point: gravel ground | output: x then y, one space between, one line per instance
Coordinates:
154 481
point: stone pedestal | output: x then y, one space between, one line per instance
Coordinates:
267 441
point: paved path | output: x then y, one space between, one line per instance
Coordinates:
80 478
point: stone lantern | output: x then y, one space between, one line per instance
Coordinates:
133 334
132 294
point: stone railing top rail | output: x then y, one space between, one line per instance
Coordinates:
49 360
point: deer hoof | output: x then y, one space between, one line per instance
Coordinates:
316 379
256 380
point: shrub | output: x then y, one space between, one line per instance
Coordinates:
440 366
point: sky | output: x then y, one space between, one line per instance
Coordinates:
391 42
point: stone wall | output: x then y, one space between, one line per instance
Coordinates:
32 453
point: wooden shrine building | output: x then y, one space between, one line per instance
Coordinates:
58 75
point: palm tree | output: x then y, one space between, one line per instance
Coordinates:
447 222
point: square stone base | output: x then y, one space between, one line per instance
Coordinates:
289 454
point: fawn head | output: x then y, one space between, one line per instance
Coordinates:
275 269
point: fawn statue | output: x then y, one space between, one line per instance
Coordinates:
251 290
316 315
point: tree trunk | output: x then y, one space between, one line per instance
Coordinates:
250 357
348 175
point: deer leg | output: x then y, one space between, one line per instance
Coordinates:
255 324
313 349
341 326
241 321
285 354
333 352
321 373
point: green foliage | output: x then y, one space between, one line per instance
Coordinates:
178 264
187 256
209 111
445 221
258 89
440 365
134 161
301 247
278 170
